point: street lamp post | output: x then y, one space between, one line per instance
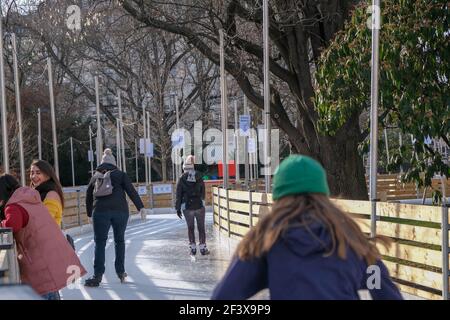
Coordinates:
224 110
18 110
4 113
53 116
122 141
39 134
99 124
267 141
374 113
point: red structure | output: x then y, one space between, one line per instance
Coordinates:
231 168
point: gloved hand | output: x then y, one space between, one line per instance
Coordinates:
143 213
179 214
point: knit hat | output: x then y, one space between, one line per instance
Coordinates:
108 157
299 174
189 163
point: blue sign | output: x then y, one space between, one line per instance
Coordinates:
244 125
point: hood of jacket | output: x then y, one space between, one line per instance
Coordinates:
305 240
25 195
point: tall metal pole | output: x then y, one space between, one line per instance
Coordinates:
145 144
246 171
374 113
39 134
224 107
92 152
18 110
387 144
267 142
4 113
137 159
400 142
236 135
71 159
177 166
118 152
99 124
53 116
149 158
122 141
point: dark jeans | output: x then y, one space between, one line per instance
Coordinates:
102 222
198 215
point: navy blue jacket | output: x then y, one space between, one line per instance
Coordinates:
296 268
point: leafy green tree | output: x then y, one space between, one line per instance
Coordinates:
414 80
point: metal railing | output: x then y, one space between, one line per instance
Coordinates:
9 267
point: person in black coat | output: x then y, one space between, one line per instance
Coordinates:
107 211
190 200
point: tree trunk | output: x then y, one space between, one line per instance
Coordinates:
164 168
345 170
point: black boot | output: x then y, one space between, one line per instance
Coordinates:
122 276
93 281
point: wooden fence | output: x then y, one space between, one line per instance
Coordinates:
418 253
390 188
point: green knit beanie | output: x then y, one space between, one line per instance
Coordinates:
299 174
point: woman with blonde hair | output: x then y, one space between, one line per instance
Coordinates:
306 248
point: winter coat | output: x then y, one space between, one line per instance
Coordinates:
115 202
190 191
296 268
46 260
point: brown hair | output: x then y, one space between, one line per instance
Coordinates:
302 210
47 168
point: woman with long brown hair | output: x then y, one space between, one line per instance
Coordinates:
306 248
44 180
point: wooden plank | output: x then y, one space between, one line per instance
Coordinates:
238 195
414 254
408 232
260 210
223 202
224 213
238 206
419 293
409 211
364 224
419 276
239 218
222 192
239 229
259 197
353 206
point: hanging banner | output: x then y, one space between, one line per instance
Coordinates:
244 125
149 147
178 140
251 145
